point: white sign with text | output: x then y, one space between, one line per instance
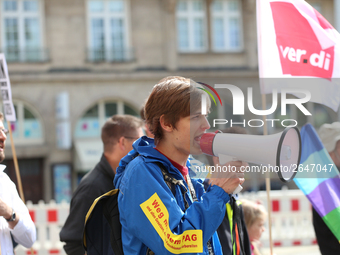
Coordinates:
6 93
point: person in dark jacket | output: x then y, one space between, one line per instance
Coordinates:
330 137
118 134
232 243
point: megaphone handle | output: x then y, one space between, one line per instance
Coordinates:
238 189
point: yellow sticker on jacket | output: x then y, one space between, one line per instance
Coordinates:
190 241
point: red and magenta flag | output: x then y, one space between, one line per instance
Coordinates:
296 41
318 178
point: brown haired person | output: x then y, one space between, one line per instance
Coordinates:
118 134
161 208
146 127
15 221
255 217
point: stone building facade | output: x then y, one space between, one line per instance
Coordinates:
72 81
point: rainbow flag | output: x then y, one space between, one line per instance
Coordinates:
318 178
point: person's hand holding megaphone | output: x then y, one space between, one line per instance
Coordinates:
230 179
230 163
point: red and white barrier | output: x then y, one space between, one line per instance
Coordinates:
291 222
48 219
291 217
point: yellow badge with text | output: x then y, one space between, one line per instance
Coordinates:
190 241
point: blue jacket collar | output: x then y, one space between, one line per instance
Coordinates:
145 147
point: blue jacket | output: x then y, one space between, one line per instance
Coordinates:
152 217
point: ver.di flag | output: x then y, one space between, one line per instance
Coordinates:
296 41
319 179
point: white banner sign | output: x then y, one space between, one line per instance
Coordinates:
6 93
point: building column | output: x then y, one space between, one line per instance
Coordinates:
209 32
337 14
250 33
170 35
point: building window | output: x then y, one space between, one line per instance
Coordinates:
21 30
191 26
89 125
108 31
226 25
28 128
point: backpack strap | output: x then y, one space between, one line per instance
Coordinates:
192 189
106 205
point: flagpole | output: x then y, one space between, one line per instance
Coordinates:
17 172
15 160
265 132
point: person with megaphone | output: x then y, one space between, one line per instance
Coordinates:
161 208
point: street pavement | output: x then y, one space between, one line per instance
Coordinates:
293 250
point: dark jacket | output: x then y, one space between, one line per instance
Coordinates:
224 230
224 233
94 184
327 241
